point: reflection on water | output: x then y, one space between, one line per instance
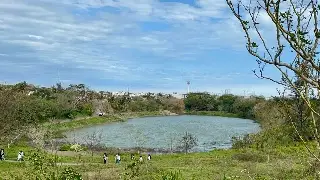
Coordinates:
163 132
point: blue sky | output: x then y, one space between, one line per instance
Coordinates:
144 45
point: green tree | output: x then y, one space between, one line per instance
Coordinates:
226 102
200 102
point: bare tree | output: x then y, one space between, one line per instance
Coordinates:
38 136
93 140
291 48
187 142
14 137
172 141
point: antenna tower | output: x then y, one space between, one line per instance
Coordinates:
188 84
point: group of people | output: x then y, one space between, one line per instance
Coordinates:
118 158
20 155
105 157
140 158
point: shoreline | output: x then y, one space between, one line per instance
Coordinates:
123 117
213 113
61 127
67 125
218 114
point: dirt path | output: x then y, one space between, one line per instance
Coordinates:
58 164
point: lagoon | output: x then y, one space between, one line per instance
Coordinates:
164 132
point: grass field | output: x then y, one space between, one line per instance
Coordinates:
279 163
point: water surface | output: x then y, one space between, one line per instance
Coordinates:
164 132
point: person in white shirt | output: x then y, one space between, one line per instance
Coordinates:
105 158
20 154
149 157
118 158
140 159
2 155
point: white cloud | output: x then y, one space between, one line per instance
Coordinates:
86 35
35 36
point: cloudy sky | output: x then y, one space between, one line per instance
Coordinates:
144 45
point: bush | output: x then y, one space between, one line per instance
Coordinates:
242 142
72 147
70 174
266 139
176 175
43 166
65 147
133 170
76 147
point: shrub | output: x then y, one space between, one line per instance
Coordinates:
76 147
132 170
242 142
70 174
65 147
176 175
267 138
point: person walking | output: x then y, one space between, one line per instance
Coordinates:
22 156
149 157
118 158
2 156
105 158
19 156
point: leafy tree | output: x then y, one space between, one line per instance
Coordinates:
244 107
200 102
17 112
226 102
20 87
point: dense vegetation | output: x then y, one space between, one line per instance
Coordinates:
23 104
241 106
